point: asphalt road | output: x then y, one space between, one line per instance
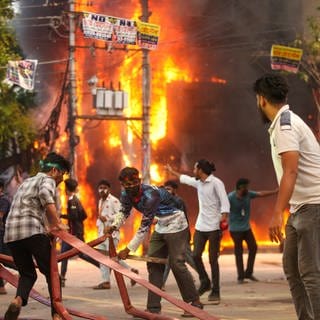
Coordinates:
268 299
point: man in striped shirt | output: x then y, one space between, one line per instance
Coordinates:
32 216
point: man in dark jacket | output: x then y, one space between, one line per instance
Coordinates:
75 216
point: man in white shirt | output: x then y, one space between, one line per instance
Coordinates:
213 208
108 207
296 159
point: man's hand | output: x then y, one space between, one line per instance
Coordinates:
168 167
275 233
123 254
60 226
102 218
109 229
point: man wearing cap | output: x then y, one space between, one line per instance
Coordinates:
169 239
32 215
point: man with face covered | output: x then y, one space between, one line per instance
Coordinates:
169 239
33 214
296 158
108 207
239 226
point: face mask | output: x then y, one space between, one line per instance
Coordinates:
133 191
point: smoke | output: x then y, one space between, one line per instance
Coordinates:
229 40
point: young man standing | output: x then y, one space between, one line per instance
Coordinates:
213 208
32 215
171 186
169 239
75 216
108 207
239 226
296 158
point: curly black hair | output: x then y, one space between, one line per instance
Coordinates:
273 87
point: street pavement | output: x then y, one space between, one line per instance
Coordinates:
268 299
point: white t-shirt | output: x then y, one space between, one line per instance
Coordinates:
108 208
288 132
213 200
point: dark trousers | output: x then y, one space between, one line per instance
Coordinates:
199 241
4 250
189 261
39 248
238 237
64 264
173 246
301 260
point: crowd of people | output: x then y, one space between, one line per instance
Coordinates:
26 222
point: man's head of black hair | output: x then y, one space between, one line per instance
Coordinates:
242 182
71 185
273 87
171 183
206 166
54 160
129 174
104 182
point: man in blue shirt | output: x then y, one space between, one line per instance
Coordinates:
239 226
170 238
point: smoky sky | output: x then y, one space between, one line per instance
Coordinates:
227 39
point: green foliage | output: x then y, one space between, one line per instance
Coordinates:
310 44
15 123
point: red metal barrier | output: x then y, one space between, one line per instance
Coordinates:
79 246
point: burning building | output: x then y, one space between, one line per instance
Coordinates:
202 105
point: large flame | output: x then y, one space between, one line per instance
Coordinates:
167 67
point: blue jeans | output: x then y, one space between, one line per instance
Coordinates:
301 260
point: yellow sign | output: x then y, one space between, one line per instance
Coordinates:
285 58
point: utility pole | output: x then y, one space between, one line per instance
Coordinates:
72 110
146 88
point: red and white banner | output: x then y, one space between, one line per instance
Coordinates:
107 28
22 73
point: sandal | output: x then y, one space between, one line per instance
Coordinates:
13 312
133 283
102 286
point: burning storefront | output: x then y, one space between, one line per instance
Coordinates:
201 104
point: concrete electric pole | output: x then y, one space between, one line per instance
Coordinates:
72 110
146 88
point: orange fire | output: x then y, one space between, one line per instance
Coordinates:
167 67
